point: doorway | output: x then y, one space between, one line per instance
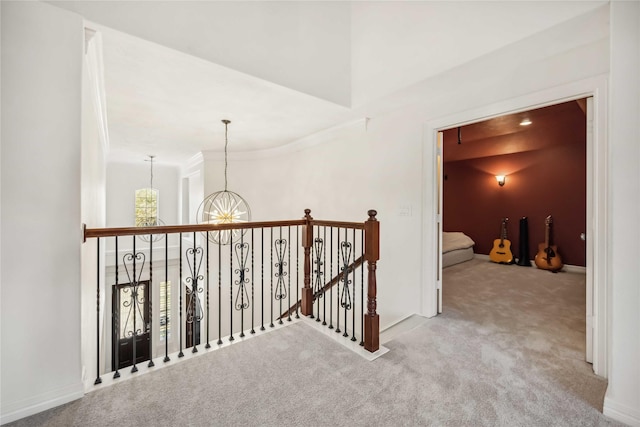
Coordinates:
130 325
596 262
539 156
528 166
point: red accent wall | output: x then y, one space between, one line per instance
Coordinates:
547 181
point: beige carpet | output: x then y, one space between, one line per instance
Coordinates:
507 352
534 317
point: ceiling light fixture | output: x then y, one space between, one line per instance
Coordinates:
147 207
224 207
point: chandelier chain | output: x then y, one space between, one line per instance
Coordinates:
151 157
226 142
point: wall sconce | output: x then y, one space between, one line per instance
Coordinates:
500 179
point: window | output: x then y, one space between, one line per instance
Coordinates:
146 207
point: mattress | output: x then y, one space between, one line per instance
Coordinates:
456 257
457 247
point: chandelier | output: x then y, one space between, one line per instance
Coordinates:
147 208
224 207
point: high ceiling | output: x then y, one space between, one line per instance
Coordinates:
281 71
164 102
506 135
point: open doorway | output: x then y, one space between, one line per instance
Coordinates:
540 157
557 171
529 167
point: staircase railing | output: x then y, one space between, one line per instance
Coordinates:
162 290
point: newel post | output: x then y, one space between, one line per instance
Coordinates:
372 255
307 241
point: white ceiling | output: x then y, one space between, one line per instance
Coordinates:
281 71
170 104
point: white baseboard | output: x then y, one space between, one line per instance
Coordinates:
620 412
405 324
567 268
13 411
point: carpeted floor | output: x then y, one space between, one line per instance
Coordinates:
507 351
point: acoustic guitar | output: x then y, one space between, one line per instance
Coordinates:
548 257
501 251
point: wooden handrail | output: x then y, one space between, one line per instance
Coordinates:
338 224
355 264
188 228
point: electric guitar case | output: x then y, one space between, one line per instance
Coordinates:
524 259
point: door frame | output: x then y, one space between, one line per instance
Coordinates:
597 190
144 338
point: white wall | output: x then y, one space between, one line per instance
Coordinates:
623 394
352 170
41 93
342 173
192 188
431 37
93 194
301 45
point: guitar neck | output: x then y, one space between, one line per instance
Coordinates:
548 236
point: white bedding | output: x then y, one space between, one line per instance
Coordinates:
455 240
457 247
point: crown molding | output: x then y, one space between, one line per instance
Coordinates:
295 146
194 162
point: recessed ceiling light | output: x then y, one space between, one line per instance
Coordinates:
525 122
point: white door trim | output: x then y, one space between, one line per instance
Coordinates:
597 190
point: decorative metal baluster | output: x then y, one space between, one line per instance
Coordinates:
219 292
280 291
271 278
353 276
262 277
338 284
115 313
98 379
318 245
231 338
137 301
134 297
253 331
149 326
331 275
207 345
362 288
298 271
194 308
167 315
324 273
242 254
345 297
289 274
180 326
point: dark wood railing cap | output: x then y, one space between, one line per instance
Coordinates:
307 214
372 214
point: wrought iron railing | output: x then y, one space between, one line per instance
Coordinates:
184 287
